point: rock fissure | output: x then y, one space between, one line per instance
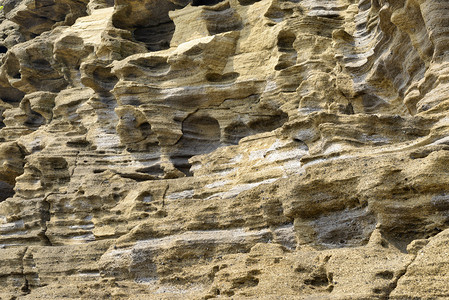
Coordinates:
392 286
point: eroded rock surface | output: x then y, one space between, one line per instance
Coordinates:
244 149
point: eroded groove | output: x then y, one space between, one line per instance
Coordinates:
238 149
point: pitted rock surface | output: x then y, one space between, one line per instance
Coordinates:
236 149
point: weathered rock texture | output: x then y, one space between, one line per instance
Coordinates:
244 149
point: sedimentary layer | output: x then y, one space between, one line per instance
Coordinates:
244 149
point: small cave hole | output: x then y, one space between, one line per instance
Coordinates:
145 126
6 191
283 65
201 135
156 37
286 40
35 119
288 53
388 275
3 49
11 95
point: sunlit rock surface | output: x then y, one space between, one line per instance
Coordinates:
240 149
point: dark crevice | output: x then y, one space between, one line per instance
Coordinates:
157 37
35 119
222 78
201 135
155 170
139 177
333 16
2 119
45 217
205 2
400 239
150 26
286 50
11 95
386 291
6 191
388 275
26 287
78 143
247 2
3 49
286 40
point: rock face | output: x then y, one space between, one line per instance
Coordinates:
240 149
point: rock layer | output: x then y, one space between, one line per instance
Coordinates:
271 149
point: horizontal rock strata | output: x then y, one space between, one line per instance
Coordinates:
239 149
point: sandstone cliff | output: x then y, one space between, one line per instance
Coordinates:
237 149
